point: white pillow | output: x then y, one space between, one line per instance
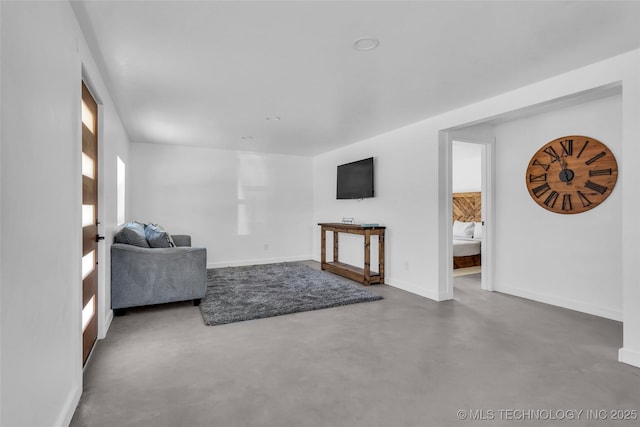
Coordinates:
463 229
477 230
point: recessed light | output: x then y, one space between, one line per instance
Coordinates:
246 138
273 118
366 43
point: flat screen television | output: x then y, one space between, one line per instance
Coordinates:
355 180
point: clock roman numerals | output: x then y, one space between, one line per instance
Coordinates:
595 187
567 147
596 157
583 199
537 178
550 151
566 202
540 190
600 172
551 199
582 149
544 166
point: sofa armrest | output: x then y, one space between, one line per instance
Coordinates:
181 240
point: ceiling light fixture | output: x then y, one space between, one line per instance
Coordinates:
366 43
272 118
246 138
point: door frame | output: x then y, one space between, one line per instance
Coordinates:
446 211
103 313
90 290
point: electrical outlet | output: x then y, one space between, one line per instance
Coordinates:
266 246
406 265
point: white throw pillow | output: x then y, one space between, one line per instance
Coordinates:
477 230
462 229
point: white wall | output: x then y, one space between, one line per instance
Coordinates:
245 208
414 185
43 55
113 142
467 167
573 261
403 195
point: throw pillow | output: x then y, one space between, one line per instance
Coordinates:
158 237
463 229
477 230
132 233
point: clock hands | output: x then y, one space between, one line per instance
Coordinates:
566 175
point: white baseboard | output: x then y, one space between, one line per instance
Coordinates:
414 289
240 263
107 323
69 407
630 357
409 288
580 306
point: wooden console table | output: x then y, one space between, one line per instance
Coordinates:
363 276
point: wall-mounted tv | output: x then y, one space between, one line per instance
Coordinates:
355 179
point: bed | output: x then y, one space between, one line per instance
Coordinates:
467 230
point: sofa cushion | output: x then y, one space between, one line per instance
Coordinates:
157 237
132 233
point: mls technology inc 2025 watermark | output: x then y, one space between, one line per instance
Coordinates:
548 414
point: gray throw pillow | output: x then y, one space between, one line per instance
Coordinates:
157 237
132 233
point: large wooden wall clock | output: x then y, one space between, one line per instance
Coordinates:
572 174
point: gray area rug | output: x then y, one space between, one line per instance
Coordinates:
235 294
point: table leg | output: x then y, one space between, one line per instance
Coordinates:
323 248
381 256
335 246
367 257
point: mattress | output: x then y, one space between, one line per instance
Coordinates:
466 247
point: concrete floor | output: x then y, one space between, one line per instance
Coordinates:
402 361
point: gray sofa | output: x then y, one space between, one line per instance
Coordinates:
144 276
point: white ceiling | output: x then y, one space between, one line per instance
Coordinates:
207 73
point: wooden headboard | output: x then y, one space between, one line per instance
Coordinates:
467 207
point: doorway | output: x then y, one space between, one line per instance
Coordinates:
470 179
466 207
